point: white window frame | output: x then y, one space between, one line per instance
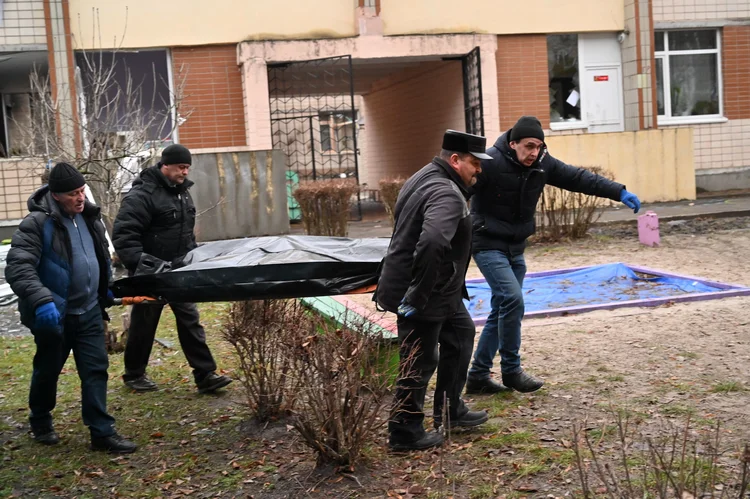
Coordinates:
581 123
667 118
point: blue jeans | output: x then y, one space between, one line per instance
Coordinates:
502 332
84 334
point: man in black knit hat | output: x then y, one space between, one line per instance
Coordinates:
59 267
156 219
503 208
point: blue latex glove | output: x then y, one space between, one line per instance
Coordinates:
405 310
630 200
47 316
110 296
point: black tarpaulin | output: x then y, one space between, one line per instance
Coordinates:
264 267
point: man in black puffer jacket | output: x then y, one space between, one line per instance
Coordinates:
59 267
422 281
503 209
157 218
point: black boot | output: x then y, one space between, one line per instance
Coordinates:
46 436
428 440
522 382
484 386
114 444
212 382
141 384
468 420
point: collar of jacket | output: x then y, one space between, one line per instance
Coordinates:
453 175
502 144
153 177
42 200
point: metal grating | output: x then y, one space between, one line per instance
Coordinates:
313 119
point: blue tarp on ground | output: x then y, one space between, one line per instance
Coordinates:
614 282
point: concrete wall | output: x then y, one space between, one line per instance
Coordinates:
490 16
239 193
224 21
18 180
657 165
197 22
254 55
406 116
22 23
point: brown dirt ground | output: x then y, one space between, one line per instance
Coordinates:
662 363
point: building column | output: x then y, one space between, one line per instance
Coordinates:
257 104
62 75
639 72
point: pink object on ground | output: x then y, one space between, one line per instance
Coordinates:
648 229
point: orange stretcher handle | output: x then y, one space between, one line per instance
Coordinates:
135 300
363 290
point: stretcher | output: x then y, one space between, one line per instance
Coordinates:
271 267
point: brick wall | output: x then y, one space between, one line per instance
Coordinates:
522 78
22 23
212 94
406 115
736 67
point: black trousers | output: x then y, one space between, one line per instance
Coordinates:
426 346
144 320
84 335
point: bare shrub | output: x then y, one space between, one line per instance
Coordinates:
262 333
674 464
389 189
345 375
563 214
325 206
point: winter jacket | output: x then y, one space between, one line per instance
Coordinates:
156 218
505 196
430 249
39 261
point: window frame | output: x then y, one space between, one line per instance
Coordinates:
580 123
328 119
663 55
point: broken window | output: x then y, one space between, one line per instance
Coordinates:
564 86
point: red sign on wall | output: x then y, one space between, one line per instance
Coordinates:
601 78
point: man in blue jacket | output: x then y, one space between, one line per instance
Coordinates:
503 210
58 266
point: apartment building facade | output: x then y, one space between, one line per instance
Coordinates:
655 91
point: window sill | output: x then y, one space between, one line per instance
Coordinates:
691 120
567 125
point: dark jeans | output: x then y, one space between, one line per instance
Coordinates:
84 334
502 331
420 356
144 320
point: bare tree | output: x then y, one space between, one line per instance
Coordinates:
116 124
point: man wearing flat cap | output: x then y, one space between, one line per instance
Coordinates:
58 266
503 209
157 218
422 282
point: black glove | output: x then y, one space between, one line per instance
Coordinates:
178 263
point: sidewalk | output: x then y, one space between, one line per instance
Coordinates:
375 221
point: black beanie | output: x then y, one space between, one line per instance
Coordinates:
527 127
65 178
176 155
